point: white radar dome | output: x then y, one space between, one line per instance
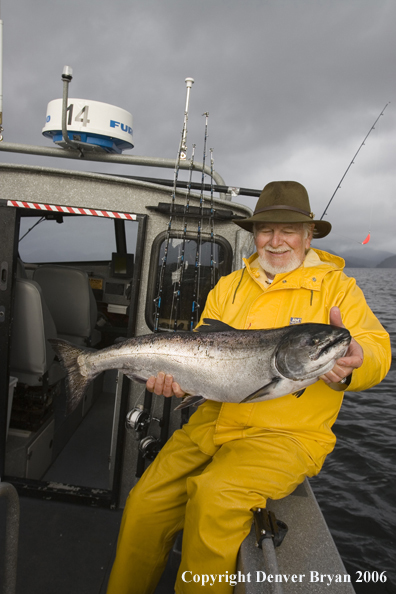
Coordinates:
100 126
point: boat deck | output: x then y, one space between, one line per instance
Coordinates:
67 548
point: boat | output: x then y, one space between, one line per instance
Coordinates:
87 256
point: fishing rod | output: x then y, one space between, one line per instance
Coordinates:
149 446
353 160
183 247
181 155
197 272
233 190
211 219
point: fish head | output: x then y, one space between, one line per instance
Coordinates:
310 350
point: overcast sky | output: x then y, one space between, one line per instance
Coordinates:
291 86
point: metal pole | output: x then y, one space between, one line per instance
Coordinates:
11 541
12 147
269 533
271 565
67 76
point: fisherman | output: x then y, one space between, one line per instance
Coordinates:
230 458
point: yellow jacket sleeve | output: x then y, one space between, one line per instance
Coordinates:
365 329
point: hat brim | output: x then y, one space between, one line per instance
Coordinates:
321 229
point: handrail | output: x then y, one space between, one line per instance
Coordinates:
12 147
9 492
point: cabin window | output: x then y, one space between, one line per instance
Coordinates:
187 306
71 239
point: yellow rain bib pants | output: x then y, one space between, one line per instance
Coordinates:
210 496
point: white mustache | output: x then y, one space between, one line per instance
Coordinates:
276 250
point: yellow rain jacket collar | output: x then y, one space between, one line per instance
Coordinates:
321 261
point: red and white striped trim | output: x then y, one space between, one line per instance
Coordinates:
73 210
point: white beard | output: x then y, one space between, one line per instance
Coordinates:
294 263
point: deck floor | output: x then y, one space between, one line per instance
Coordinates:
66 548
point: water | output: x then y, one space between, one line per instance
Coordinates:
356 489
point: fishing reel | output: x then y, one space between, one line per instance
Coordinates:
138 419
149 447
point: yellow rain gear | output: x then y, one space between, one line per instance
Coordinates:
230 457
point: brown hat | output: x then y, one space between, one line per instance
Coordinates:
284 202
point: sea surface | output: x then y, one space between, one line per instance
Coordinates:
356 488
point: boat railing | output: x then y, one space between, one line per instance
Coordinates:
11 147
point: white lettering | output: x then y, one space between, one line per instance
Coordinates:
314 576
260 576
328 578
183 577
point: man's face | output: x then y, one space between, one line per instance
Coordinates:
281 247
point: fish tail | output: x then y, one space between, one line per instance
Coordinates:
76 382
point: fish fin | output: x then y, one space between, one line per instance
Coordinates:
263 391
299 393
136 378
190 401
76 383
210 325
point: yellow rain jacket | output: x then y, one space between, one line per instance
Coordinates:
245 300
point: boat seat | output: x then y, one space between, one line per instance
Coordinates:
21 272
31 354
71 302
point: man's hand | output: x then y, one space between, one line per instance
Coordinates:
352 359
164 385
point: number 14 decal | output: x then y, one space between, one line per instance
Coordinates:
82 115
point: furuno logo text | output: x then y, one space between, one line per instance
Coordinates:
124 127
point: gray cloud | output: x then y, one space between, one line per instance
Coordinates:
292 88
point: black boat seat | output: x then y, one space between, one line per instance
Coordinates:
21 272
31 354
71 302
